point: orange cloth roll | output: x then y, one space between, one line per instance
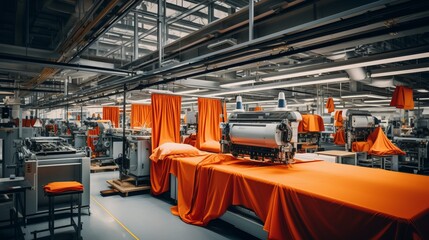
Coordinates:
209 112
311 123
141 115
112 114
165 119
403 98
330 105
59 187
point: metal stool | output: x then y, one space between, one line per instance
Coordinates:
51 226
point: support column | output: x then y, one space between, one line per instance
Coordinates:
136 36
251 18
161 31
124 139
210 11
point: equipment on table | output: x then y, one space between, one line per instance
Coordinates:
49 159
261 135
358 125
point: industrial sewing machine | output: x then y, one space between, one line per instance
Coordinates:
416 147
50 159
261 135
358 125
103 143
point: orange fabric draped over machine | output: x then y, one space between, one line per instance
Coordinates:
165 119
330 105
403 98
209 118
141 115
381 145
112 114
311 123
339 137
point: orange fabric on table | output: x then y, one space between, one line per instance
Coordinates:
310 200
338 119
330 105
361 146
209 119
311 123
141 115
381 145
59 187
165 119
112 114
403 98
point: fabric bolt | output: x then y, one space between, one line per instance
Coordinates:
209 119
403 98
310 200
381 145
165 119
311 123
141 115
330 105
112 114
59 187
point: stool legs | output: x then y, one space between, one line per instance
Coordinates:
79 222
51 217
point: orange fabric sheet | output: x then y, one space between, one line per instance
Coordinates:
403 98
330 105
381 145
311 123
225 113
191 139
209 119
361 146
112 114
339 137
165 119
338 119
258 109
92 132
59 187
304 201
141 115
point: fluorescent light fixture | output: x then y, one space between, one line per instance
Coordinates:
422 91
400 70
378 101
423 99
364 96
292 83
105 104
148 100
238 83
191 91
6 93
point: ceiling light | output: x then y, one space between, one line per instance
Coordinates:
227 85
422 99
105 104
378 101
6 93
364 96
191 91
292 83
383 72
422 91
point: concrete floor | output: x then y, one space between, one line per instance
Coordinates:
135 217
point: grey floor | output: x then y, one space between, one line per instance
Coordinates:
135 217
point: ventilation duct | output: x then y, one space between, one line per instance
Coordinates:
222 44
356 74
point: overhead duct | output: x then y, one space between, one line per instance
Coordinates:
356 74
222 44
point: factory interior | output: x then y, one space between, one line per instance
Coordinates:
214 119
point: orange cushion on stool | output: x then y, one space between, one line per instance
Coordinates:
59 187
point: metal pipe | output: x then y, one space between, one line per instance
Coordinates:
251 18
124 139
210 11
161 29
136 36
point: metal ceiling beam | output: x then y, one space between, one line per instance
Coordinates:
60 65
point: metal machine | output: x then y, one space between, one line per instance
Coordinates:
261 135
51 159
358 125
416 147
103 143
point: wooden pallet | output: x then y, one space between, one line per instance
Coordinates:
127 186
98 168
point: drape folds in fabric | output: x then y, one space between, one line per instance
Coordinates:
338 119
112 114
298 201
403 98
339 137
311 123
209 119
381 145
92 132
141 115
165 119
330 105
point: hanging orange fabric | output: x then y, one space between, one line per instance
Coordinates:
403 98
92 132
339 137
338 119
165 119
112 114
258 109
381 145
141 115
330 105
78 117
311 123
209 132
